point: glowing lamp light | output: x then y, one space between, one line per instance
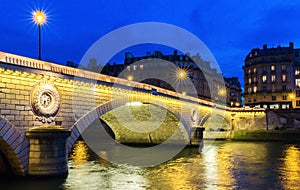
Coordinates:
39 17
130 77
182 74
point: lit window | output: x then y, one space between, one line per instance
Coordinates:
272 67
250 55
249 71
273 78
254 70
141 67
264 78
254 89
283 77
128 68
254 79
134 67
297 81
297 72
249 90
249 80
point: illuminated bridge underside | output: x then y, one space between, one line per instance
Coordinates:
78 97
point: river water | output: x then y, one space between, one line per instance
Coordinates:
221 165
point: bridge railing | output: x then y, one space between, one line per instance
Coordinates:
56 68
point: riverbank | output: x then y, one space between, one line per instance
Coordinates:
259 135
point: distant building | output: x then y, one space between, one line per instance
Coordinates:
272 77
234 92
206 82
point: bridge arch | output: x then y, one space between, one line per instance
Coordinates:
14 146
211 116
86 120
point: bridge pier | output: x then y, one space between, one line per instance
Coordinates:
197 136
48 155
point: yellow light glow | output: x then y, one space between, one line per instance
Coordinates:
130 77
292 96
80 153
181 73
39 17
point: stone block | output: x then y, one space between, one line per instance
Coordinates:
20 107
14 91
10 96
15 101
6 80
5 112
20 97
10 117
12 86
10 106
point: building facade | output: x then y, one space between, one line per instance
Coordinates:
272 78
234 91
182 75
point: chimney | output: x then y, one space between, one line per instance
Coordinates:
265 46
291 45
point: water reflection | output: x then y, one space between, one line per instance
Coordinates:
290 168
80 153
224 165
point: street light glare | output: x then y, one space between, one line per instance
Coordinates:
39 17
182 74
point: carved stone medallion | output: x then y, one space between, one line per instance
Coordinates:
45 101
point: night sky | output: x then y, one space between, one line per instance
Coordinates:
229 28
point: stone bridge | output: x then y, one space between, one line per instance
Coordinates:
35 93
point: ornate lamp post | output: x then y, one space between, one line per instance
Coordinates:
39 18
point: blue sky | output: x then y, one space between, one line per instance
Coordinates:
229 28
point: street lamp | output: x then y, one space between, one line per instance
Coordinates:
39 18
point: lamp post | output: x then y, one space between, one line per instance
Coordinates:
39 19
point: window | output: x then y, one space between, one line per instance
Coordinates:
283 87
254 70
249 90
273 98
249 99
273 78
272 67
297 72
284 97
264 89
141 67
297 93
254 89
297 81
134 67
264 78
249 80
297 103
254 99
128 68
249 71
296 53
254 79
283 77
283 67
